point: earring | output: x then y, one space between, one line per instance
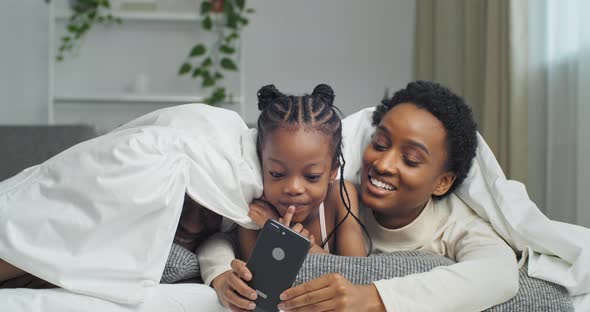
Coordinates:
331 182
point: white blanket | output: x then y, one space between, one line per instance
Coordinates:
99 218
556 252
160 298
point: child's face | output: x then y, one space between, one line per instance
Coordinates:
404 165
297 168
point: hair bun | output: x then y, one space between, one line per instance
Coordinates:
325 92
267 95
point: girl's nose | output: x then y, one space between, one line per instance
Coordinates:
294 186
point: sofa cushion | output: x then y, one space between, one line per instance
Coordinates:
25 146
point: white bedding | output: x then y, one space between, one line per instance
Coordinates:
99 219
162 298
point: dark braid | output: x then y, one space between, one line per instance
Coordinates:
315 111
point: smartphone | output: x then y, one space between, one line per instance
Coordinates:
275 261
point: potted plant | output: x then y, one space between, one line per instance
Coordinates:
85 14
226 18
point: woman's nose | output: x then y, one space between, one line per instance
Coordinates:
387 163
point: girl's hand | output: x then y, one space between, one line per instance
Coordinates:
298 228
331 292
232 290
261 211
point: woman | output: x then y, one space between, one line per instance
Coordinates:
420 152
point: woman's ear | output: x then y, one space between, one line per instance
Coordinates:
445 181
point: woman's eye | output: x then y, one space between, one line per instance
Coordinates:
411 163
276 174
379 147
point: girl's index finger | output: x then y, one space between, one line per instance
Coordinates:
288 216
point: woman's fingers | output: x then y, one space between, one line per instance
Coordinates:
317 300
305 288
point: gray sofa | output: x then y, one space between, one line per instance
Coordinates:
25 146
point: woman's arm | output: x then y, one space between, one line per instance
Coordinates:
349 237
9 271
486 274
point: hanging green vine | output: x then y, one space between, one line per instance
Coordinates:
207 63
85 14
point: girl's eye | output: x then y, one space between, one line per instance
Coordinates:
411 163
313 177
276 174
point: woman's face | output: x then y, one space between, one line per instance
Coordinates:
404 165
297 169
195 225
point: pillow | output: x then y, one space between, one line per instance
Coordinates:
182 264
533 294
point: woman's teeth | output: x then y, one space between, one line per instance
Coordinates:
382 185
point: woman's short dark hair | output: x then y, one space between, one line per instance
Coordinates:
454 114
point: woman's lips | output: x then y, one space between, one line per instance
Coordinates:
378 187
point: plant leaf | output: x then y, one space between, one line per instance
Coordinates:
184 68
226 49
207 23
208 82
228 64
241 4
250 11
198 50
205 7
197 72
218 75
207 62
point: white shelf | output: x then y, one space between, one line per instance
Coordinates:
143 16
133 98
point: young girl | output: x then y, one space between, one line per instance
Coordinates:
299 145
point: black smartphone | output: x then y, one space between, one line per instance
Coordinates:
275 261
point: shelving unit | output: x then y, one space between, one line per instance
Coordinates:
133 98
96 83
63 15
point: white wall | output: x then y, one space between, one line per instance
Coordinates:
23 62
358 47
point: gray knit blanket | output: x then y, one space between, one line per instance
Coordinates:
182 265
533 294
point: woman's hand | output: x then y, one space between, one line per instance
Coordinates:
261 211
232 290
331 292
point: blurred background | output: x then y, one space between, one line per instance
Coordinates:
72 69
